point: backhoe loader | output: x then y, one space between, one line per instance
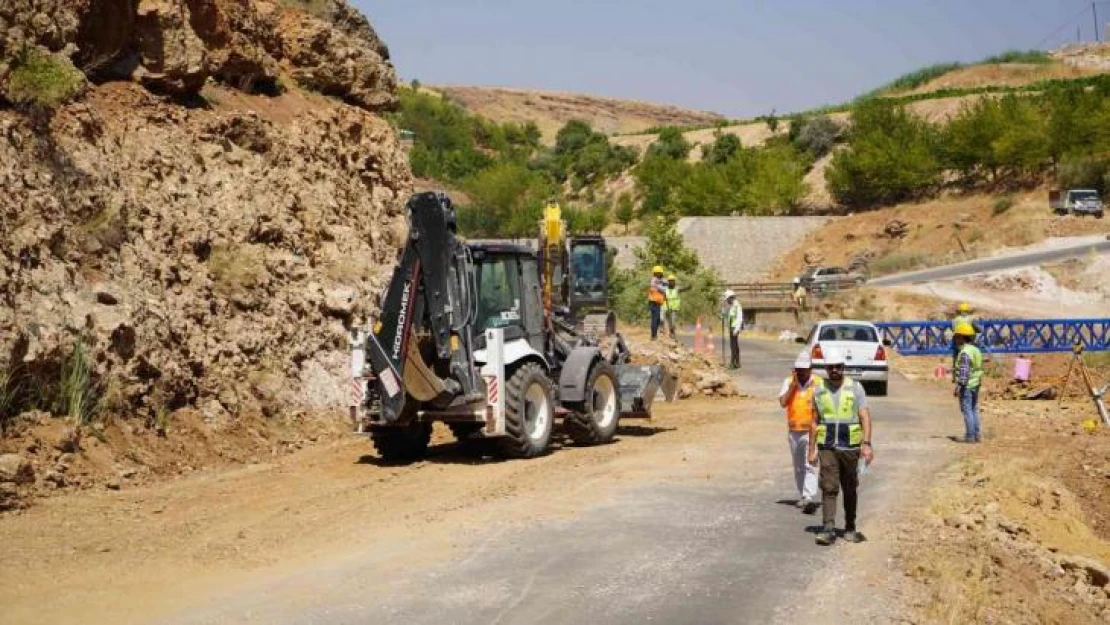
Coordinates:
466 336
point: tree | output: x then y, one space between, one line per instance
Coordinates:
657 176
723 148
891 157
670 144
626 211
506 199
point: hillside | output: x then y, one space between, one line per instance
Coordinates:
551 110
187 232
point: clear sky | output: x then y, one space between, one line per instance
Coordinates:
739 58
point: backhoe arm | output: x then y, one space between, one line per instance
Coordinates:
421 349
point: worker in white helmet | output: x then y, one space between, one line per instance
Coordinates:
734 322
839 436
796 397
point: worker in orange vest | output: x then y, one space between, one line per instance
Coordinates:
657 297
797 397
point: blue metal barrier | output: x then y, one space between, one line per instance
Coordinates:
1001 336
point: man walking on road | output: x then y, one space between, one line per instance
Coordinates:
797 397
969 377
841 432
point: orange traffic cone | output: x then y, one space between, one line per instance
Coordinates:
699 339
709 342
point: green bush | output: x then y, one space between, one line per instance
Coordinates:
670 144
815 135
915 79
1039 57
43 79
725 146
1002 204
506 200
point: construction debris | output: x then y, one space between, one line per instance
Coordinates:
696 373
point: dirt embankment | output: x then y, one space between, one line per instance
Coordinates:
937 232
182 245
551 111
1018 531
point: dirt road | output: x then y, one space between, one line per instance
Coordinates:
679 521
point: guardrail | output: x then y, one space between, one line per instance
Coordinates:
1001 336
763 291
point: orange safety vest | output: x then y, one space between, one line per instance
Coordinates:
655 296
799 412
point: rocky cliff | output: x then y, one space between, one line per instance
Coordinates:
200 213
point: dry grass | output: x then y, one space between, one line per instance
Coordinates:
237 269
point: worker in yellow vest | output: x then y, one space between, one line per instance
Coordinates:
673 305
797 397
968 377
839 436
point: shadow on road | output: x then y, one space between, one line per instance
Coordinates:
642 430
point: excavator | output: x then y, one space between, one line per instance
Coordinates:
576 274
472 335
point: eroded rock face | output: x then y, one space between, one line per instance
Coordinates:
209 257
174 46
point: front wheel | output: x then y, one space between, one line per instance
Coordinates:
529 413
595 420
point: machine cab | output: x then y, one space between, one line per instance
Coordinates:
509 293
589 275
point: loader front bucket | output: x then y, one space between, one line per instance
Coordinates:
641 385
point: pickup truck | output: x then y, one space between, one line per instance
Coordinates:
1076 202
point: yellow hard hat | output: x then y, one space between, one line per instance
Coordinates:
964 328
964 307
672 278
657 269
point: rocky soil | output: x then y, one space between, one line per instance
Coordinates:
1018 531
196 229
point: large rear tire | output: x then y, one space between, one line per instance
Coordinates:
529 413
595 420
402 443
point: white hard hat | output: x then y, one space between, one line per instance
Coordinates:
729 293
797 280
803 361
833 357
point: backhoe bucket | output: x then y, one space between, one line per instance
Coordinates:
641 385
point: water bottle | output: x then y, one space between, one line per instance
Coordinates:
862 469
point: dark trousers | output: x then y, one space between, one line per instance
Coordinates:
656 318
734 348
838 473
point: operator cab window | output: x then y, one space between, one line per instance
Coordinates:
586 262
498 292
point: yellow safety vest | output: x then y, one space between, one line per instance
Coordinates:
975 358
838 427
674 300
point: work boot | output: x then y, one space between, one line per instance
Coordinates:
810 507
854 536
826 536
800 503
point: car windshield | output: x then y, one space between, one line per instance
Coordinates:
586 266
1084 195
498 292
848 332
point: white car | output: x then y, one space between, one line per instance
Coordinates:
861 344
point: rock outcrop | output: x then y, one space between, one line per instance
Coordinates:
207 252
174 46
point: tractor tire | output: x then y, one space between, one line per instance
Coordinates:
402 443
529 413
595 421
463 431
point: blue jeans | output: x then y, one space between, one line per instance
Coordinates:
969 405
656 318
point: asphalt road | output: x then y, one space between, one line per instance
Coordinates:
985 265
707 540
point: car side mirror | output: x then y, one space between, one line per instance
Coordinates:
800 340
